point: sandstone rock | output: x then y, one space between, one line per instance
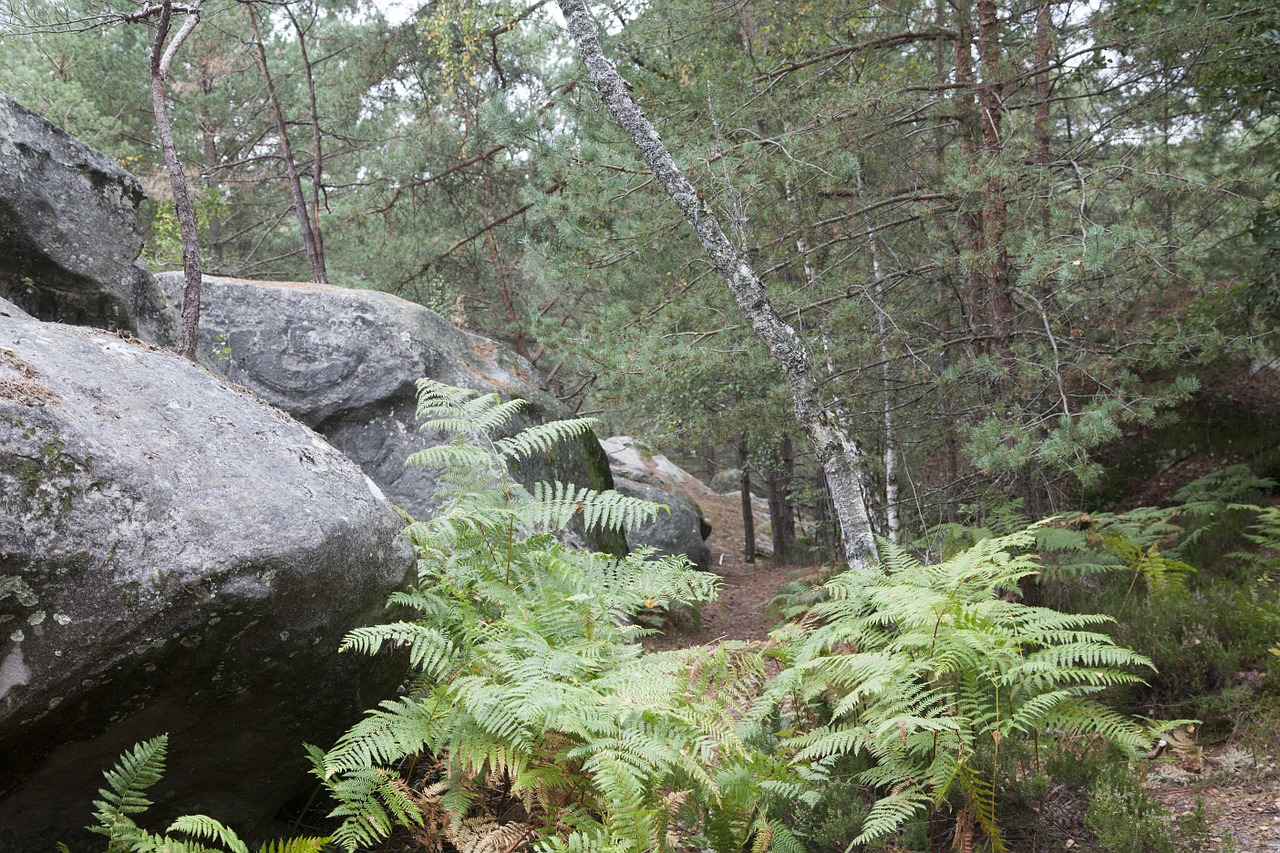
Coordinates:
174 556
346 362
673 533
654 477
69 235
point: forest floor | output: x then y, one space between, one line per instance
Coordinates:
746 589
1239 789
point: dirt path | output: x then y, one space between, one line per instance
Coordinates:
746 589
1240 790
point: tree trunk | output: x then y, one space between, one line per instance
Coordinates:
317 147
1040 126
161 58
748 516
892 524
782 518
826 513
286 154
997 289
837 452
209 144
773 489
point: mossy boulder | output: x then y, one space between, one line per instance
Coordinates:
346 363
69 236
175 556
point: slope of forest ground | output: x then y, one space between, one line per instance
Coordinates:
1233 785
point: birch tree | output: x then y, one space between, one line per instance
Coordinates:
838 453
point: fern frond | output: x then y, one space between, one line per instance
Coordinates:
456 453
431 651
542 438
557 503
890 812
395 729
125 794
206 828
295 845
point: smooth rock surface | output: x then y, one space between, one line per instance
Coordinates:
174 556
655 478
69 239
346 362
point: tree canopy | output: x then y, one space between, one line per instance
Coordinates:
1008 235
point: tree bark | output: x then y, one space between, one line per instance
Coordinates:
892 525
837 452
782 518
286 154
748 515
317 141
161 59
1040 126
997 289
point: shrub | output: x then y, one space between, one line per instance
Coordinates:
927 670
532 714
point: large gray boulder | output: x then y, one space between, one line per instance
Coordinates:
174 556
653 477
677 531
346 363
69 238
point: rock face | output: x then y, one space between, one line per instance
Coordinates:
174 556
346 363
656 478
69 235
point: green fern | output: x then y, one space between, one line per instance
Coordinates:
203 827
527 681
926 669
294 845
125 796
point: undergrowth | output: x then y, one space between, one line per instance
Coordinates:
910 706
125 798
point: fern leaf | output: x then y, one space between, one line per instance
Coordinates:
203 827
125 794
542 438
294 845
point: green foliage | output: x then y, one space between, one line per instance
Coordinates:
125 796
163 249
926 670
532 712
1125 819
1207 630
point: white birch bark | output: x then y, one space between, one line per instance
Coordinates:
839 455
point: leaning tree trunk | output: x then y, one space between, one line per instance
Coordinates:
161 59
838 453
286 155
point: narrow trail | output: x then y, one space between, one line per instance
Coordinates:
745 591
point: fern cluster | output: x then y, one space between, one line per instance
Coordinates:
925 670
533 718
125 797
532 715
